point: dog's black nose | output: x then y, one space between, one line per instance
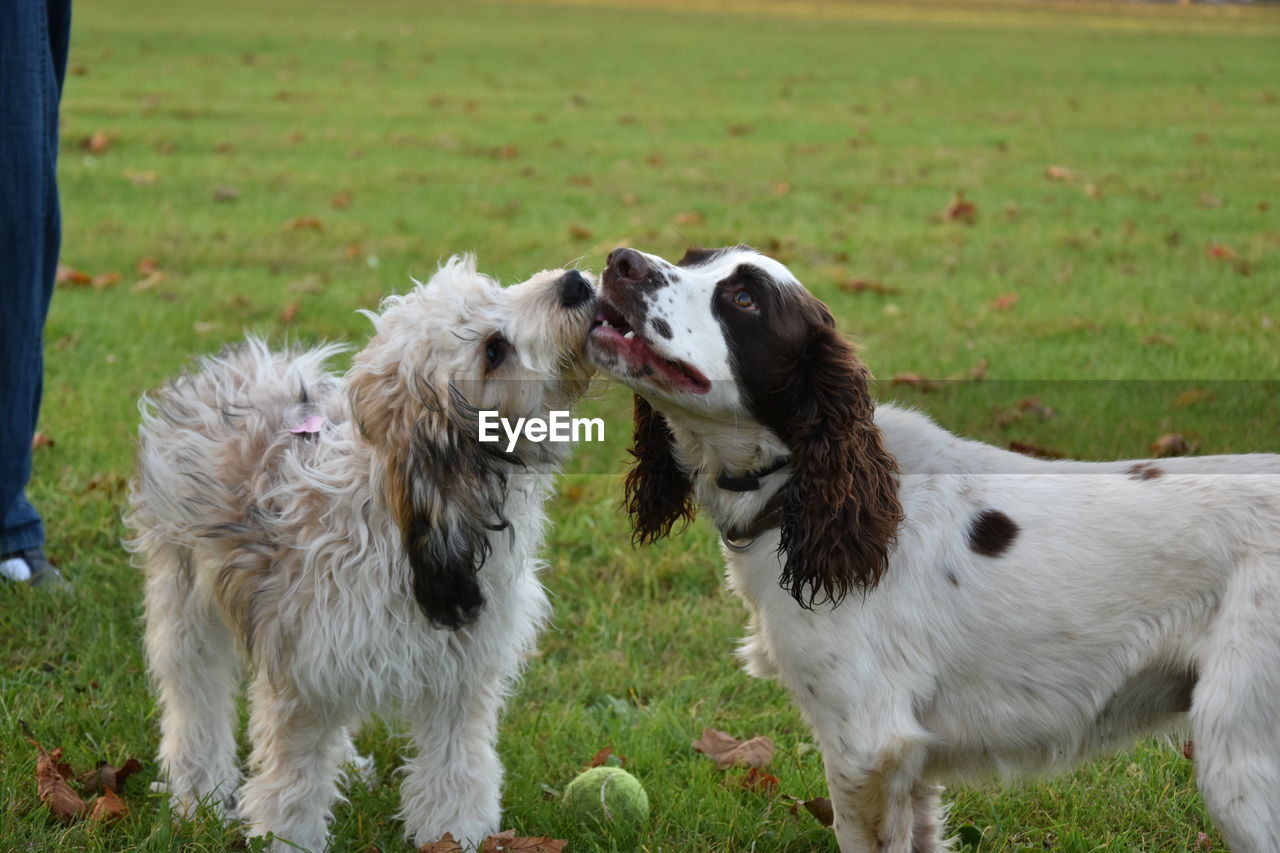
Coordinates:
575 289
628 265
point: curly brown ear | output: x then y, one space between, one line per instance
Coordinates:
841 512
658 494
439 488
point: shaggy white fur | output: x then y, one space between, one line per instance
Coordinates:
939 608
360 547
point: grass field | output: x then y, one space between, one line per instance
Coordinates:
276 166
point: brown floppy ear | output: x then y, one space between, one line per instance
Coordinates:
443 492
658 494
841 511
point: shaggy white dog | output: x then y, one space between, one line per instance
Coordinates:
359 545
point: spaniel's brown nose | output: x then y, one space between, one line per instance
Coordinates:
628 266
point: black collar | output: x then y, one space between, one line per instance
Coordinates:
749 481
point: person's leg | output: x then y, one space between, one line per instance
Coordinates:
34 38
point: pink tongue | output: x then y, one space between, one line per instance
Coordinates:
310 425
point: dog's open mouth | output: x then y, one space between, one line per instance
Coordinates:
611 333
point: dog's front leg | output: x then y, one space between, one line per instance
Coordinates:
295 761
873 797
453 782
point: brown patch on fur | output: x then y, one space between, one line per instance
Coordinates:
1145 471
443 492
658 494
841 513
991 533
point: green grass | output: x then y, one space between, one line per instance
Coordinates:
831 134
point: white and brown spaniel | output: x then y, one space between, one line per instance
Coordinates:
940 608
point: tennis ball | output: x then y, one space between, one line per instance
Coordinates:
609 797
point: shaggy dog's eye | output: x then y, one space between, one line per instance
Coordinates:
743 299
495 352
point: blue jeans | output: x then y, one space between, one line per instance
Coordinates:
34 36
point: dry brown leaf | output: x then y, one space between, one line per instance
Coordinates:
1189 750
1028 449
108 807
760 781
104 777
447 844
340 200
1171 444
915 380
102 281
728 751
1161 340
580 232
225 194
962 210
289 313
1190 397
689 217
861 285
304 223
71 276
740 129
1062 173
1004 301
97 142
1203 841
820 808
508 840
40 440
599 759
1217 250
52 774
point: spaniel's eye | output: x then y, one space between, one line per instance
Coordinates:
743 299
495 352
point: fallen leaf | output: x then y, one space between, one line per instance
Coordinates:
760 781
1092 191
104 777
1189 750
40 440
962 210
1190 397
689 217
108 807
1027 449
602 757
740 129
102 281
147 265
1162 340
289 313
1203 841
915 380
861 285
1217 250
978 372
820 808
72 276
581 180
148 281
224 194
1004 301
52 774
1171 444
340 200
580 232
1062 173
508 840
97 142
447 844
781 188
301 223
728 751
